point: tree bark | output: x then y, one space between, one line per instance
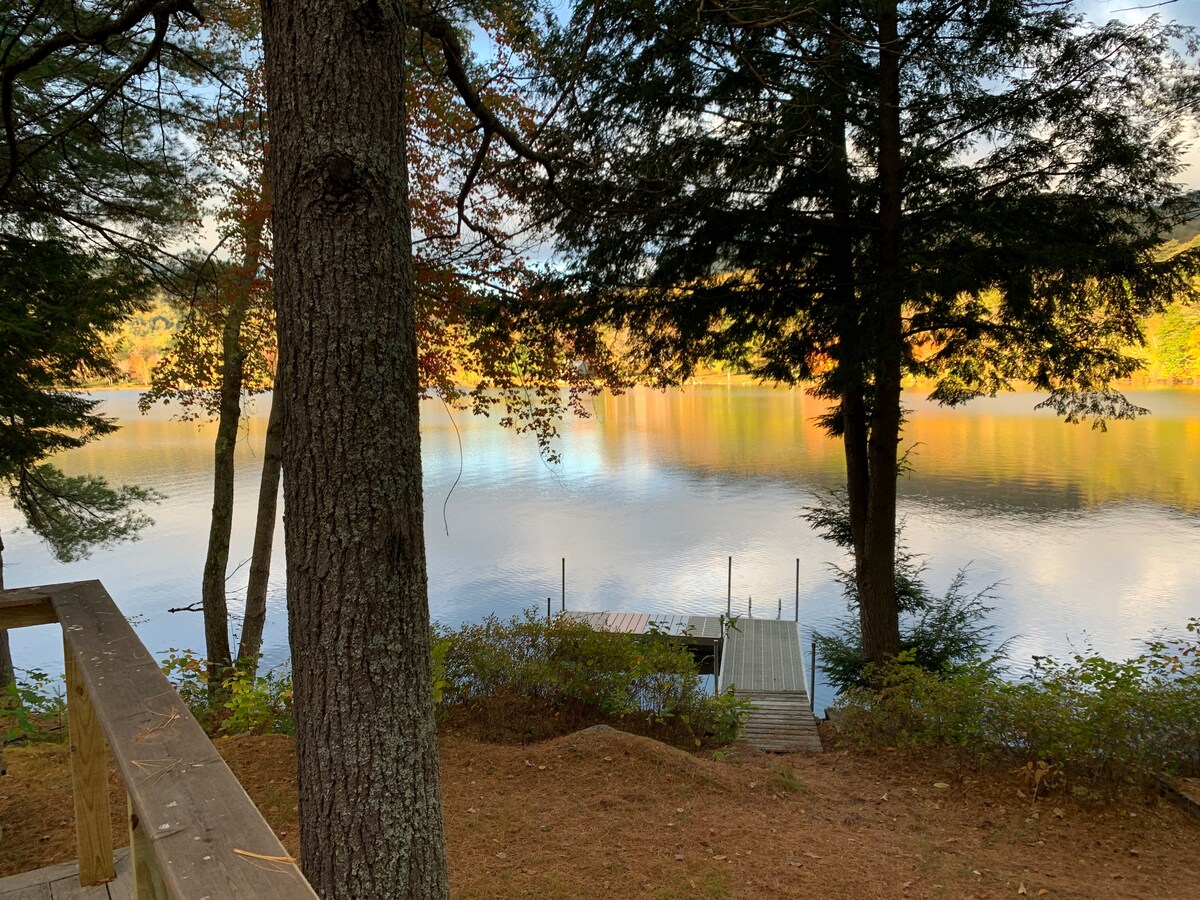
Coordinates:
845 296
216 561
878 614
255 616
370 818
8 677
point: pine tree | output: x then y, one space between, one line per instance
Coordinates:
845 193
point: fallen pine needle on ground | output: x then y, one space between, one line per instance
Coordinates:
601 813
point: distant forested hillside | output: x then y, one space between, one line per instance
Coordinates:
1172 351
142 342
1186 234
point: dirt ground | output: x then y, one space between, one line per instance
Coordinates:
602 814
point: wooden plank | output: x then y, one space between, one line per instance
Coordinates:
147 881
38 876
68 887
63 880
24 607
122 888
33 892
89 781
13 885
193 810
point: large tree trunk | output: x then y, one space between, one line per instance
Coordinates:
216 561
878 613
264 538
370 817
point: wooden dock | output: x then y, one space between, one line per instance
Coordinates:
759 659
704 630
61 882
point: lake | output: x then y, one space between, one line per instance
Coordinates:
1091 538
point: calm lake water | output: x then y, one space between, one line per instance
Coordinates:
1093 539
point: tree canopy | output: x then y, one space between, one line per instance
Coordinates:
847 193
93 94
55 304
92 185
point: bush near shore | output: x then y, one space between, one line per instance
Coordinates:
520 680
1089 724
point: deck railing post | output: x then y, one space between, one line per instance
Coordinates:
147 880
89 781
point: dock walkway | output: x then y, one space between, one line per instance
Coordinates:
760 659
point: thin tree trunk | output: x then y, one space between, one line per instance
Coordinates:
358 616
845 297
264 538
216 562
8 676
878 613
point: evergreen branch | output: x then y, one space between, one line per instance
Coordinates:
63 40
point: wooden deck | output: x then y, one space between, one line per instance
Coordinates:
61 882
760 659
194 833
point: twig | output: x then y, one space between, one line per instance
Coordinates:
198 606
170 717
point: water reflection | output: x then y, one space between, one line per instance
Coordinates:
1085 532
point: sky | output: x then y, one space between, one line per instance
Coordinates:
1185 12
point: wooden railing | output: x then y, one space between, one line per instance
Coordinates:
193 832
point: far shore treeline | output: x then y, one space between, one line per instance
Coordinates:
1171 351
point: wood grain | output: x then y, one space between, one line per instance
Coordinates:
89 781
193 811
21 608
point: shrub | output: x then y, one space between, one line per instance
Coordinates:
1089 720
259 704
35 708
521 679
936 632
529 678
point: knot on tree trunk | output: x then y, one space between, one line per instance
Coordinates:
342 179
